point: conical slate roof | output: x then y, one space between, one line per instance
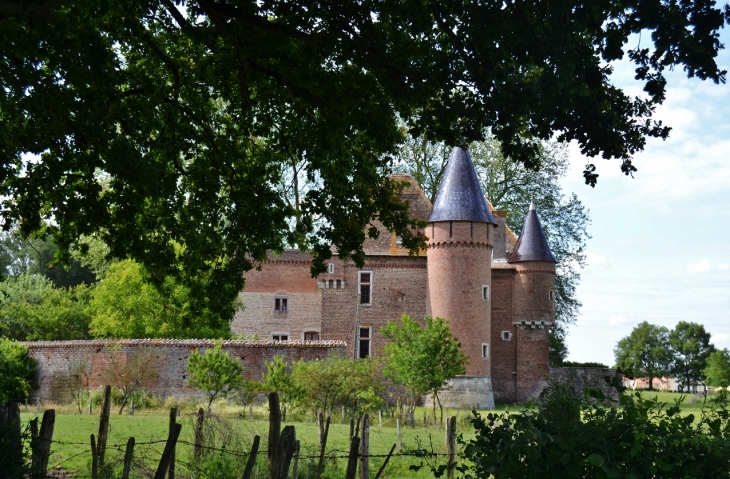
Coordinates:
532 245
460 196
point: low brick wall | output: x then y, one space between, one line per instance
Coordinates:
595 377
168 358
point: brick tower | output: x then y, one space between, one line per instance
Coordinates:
460 237
534 307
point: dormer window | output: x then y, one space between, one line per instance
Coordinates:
331 268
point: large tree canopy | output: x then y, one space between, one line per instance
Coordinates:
167 126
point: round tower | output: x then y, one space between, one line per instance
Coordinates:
460 236
533 306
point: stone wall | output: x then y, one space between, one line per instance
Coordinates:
56 359
580 377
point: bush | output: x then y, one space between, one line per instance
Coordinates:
563 435
17 369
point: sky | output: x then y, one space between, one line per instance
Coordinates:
659 242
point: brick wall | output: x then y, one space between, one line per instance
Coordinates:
303 314
169 359
398 286
503 351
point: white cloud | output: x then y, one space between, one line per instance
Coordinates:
594 259
617 319
701 266
704 265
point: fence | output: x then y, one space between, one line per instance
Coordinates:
283 452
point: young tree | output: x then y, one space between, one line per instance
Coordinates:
277 379
511 187
337 381
216 372
690 346
166 128
717 370
129 372
422 359
644 353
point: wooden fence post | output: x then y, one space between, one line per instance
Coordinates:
451 447
322 446
104 425
365 448
250 412
252 457
352 458
128 458
274 432
342 421
284 453
352 427
199 440
295 468
400 435
94 459
173 424
45 438
168 453
131 408
380 418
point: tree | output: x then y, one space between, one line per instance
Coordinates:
167 127
17 369
422 359
129 371
125 305
510 187
31 309
277 379
216 372
644 353
690 346
717 371
337 381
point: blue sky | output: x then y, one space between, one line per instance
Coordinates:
659 250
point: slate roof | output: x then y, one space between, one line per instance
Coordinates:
460 196
532 245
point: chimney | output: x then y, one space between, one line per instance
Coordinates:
500 236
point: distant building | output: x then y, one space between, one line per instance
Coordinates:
497 290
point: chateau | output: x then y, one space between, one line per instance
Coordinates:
497 290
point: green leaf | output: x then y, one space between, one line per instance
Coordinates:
595 460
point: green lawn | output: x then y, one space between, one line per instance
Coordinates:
71 448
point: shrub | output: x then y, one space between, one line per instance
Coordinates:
216 372
564 435
17 369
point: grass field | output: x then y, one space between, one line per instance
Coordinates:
71 448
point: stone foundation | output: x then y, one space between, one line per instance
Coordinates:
466 392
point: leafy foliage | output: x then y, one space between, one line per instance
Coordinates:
128 373
691 347
717 370
564 435
216 372
422 359
277 379
17 369
644 353
125 305
32 309
337 381
168 127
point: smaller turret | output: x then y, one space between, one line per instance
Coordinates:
532 245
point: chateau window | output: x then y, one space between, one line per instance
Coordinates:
551 295
506 335
331 268
311 336
280 336
485 291
485 350
281 305
363 347
365 284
